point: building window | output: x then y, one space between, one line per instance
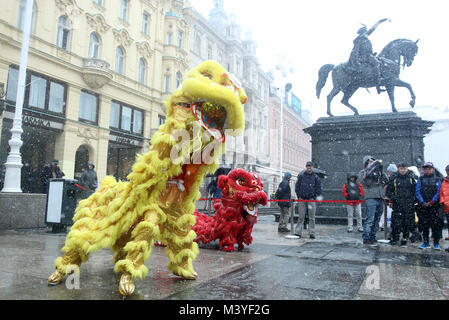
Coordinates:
142 71
38 91
13 79
57 96
88 107
120 60
167 83
197 45
170 38
94 46
20 23
124 10
41 91
180 39
209 52
126 118
137 121
64 30
178 79
114 121
160 119
145 23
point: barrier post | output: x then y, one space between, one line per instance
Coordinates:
292 222
386 219
209 205
292 218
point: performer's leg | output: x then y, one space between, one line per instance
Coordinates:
70 262
178 235
136 251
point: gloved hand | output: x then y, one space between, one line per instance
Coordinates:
426 204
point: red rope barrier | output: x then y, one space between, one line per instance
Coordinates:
353 202
81 187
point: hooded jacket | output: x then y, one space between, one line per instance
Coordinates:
353 190
372 180
444 194
89 178
284 193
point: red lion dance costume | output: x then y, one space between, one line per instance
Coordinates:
236 213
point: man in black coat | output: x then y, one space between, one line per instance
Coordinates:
401 194
308 187
284 193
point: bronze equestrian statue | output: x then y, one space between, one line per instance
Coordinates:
365 70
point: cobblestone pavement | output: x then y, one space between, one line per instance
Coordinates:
335 265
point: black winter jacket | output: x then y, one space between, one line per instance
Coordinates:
284 193
308 186
401 191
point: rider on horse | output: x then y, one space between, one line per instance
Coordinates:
362 55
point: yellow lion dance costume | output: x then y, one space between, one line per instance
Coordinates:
158 202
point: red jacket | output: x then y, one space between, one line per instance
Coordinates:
346 195
444 194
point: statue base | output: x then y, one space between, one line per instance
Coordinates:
340 143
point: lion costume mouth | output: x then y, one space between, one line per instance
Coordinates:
216 99
212 117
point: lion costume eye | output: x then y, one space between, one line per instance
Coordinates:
240 181
207 75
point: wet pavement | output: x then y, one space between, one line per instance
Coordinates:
335 265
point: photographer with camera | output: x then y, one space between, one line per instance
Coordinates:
373 180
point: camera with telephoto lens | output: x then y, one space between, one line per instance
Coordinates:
375 170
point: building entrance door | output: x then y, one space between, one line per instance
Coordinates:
81 160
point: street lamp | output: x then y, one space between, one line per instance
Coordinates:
14 161
286 90
2 96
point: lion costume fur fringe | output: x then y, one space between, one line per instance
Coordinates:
130 216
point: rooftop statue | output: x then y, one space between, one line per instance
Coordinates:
365 69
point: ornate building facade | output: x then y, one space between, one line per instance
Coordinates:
220 38
98 74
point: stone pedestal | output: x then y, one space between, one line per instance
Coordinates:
340 143
22 210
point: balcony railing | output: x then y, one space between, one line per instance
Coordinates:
96 72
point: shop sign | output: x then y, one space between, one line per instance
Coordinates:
125 140
36 122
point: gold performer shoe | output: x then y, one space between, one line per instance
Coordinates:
55 278
126 286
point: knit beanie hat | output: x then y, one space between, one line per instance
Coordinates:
392 168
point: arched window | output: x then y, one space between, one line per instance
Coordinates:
64 33
142 71
94 46
178 79
120 60
167 81
22 16
124 10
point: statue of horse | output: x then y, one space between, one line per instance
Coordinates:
348 81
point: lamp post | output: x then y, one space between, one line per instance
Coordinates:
2 96
14 161
286 90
